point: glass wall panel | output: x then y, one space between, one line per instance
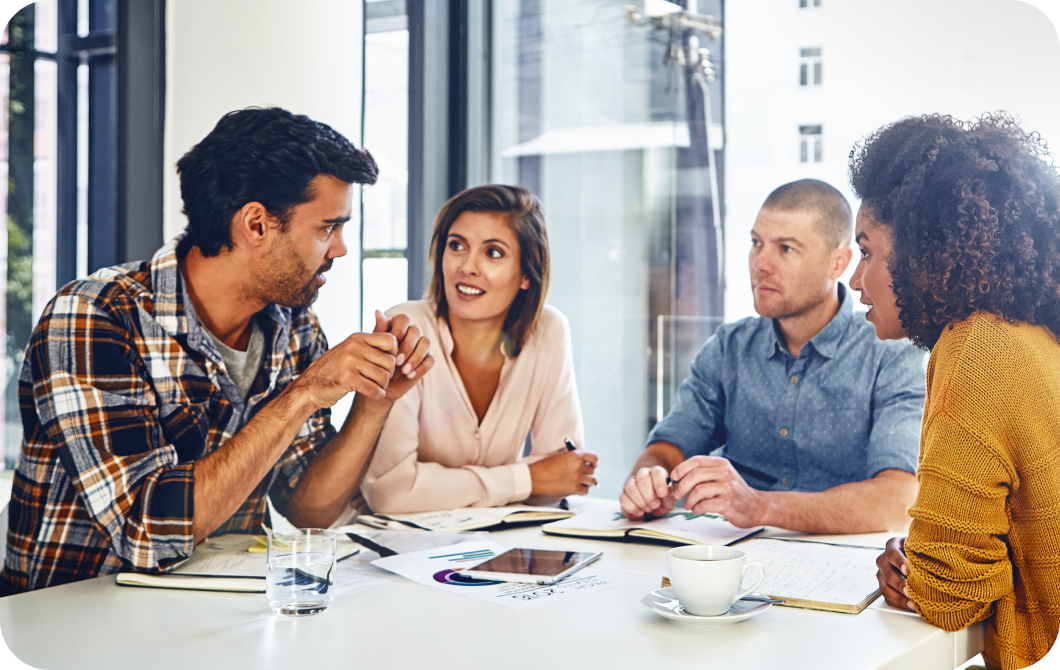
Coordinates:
386 282
28 99
615 120
384 231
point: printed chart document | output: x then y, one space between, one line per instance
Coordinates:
678 526
816 575
439 569
233 562
468 518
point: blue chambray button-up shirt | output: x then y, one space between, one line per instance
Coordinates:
849 407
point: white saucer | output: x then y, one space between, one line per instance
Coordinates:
664 602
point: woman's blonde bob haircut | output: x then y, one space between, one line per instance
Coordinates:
522 210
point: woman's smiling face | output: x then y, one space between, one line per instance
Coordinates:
482 267
872 277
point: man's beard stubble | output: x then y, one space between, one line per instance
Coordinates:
792 307
284 282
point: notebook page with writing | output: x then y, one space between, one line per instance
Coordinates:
816 575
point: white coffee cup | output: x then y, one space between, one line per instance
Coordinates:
707 578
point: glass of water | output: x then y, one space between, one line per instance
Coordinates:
300 578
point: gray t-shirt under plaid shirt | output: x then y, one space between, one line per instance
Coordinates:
242 366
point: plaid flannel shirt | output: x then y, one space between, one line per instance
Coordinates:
120 392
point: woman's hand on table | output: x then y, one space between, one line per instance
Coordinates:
892 574
563 473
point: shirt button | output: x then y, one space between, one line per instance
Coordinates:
794 380
783 432
787 481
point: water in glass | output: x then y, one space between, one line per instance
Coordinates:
301 572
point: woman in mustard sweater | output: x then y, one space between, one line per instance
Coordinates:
959 231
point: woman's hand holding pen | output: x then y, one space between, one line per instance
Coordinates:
563 473
892 574
647 493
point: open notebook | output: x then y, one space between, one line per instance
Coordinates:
468 518
816 575
679 527
233 562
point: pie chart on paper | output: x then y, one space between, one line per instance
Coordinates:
449 576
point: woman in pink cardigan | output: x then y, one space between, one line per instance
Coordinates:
504 374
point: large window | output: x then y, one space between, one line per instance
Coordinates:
384 230
614 118
71 75
28 201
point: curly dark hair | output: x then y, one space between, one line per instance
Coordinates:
974 213
260 155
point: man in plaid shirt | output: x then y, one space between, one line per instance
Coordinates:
162 401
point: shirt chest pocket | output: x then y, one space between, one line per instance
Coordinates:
834 441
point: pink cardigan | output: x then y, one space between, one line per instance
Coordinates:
432 452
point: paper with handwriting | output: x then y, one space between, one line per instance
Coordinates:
827 573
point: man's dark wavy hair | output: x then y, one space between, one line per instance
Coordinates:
260 155
974 212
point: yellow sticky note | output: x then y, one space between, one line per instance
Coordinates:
260 547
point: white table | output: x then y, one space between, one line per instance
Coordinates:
399 624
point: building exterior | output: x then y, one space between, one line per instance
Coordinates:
806 79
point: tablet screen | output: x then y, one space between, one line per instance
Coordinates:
536 562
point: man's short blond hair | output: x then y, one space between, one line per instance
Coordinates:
835 221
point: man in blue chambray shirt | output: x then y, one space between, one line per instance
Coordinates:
815 421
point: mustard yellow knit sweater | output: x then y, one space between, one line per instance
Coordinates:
985 539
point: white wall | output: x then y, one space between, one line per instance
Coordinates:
882 61
223 55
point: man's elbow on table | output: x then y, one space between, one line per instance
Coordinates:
897 495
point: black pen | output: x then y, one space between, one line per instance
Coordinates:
569 443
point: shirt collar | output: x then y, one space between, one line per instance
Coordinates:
444 335
826 341
168 302
174 311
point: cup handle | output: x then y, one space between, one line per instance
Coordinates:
761 578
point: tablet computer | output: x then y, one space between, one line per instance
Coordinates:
537 566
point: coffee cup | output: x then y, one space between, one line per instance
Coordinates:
707 578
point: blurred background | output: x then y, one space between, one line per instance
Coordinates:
651 130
